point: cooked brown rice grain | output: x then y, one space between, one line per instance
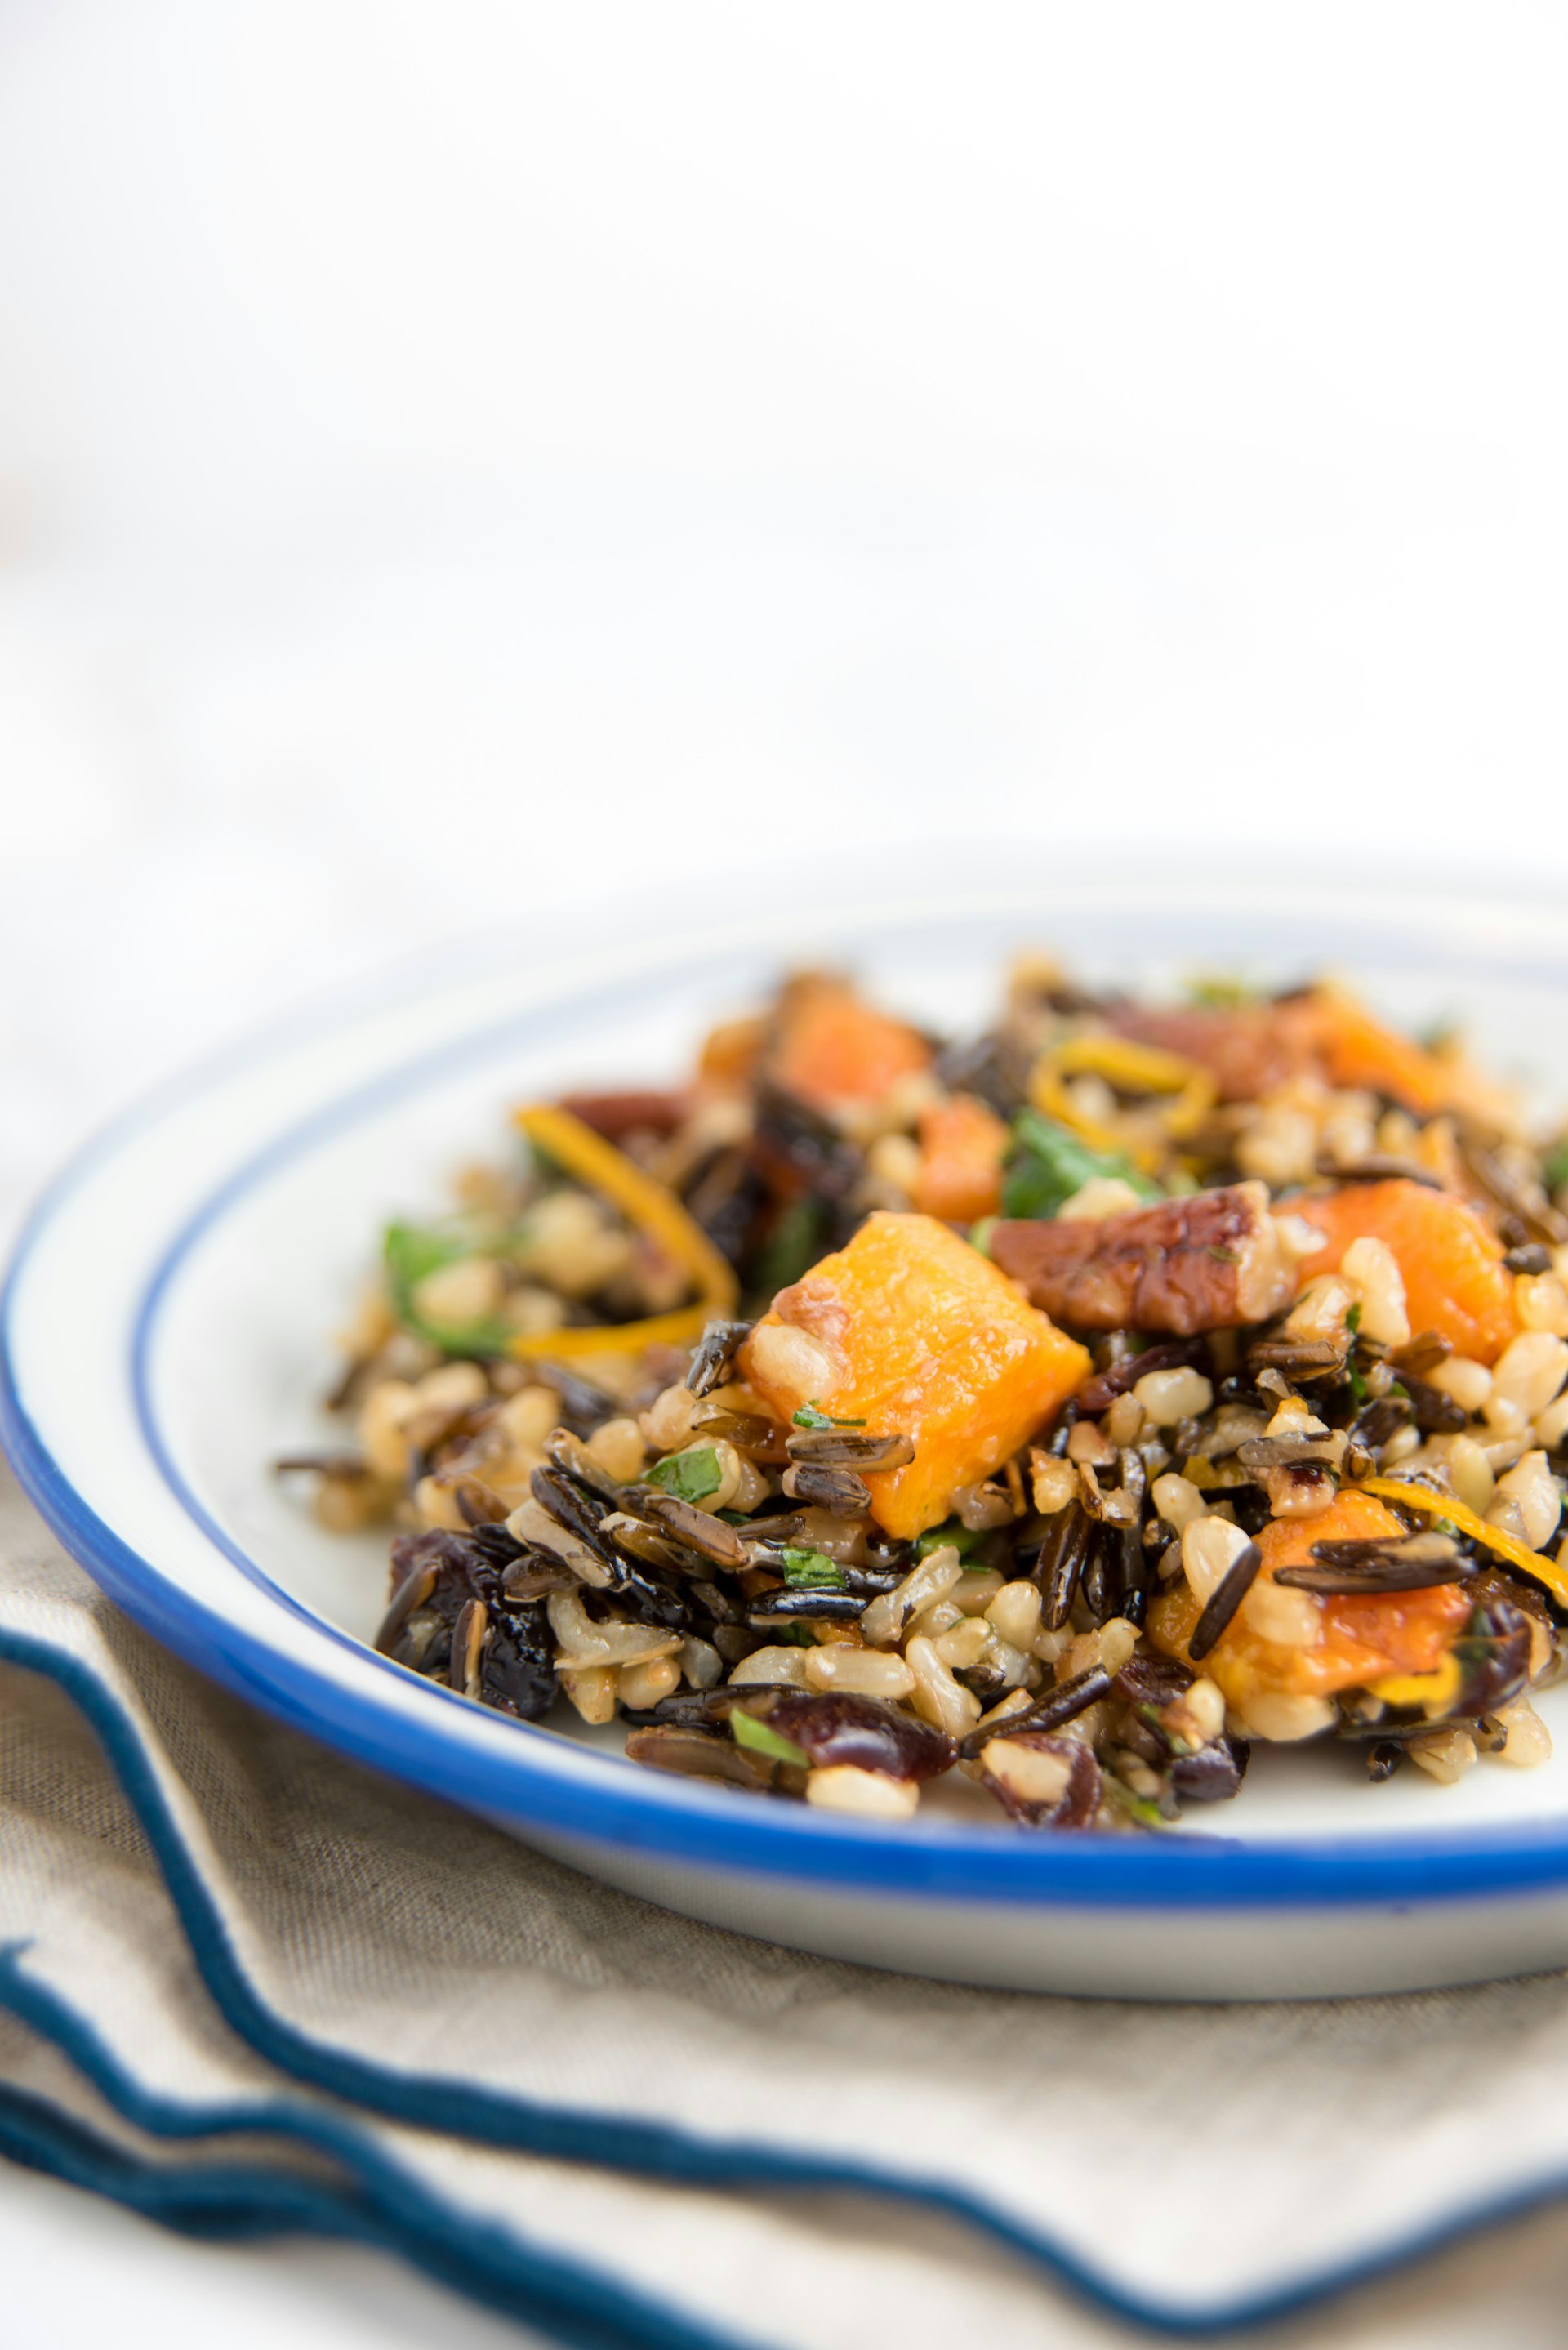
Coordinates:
869 1794
639 1687
591 1689
866 1672
1052 1483
932 1579
1015 1613
937 1697
1443 1754
618 1449
775 1668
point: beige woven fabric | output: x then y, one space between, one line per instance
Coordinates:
372 1950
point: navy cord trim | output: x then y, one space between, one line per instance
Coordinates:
661 2150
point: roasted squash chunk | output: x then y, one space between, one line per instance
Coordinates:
913 1331
962 1146
1454 1279
832 1047
1359 1638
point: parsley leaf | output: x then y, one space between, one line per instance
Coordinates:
812 1570
793 1244
1555 1166
954 1536
1222 991
747 1731
689 1476
1352 1317
810 1415
410 1251
1048 1164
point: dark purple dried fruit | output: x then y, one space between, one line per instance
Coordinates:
512 1665
1214 1773
839 1728
1040 1781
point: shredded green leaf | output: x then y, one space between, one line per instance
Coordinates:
810 1415
1352 1317
689 1476
793 1246
1048 1163
812 1570
952 1535
410 1251
1555 1166
980 1234
1222 991
1138 1807
747 1731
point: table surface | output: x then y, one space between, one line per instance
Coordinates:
438 480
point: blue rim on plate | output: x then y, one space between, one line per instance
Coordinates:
538 1781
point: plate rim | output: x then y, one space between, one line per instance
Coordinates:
549 1783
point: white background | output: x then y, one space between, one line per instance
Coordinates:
459 458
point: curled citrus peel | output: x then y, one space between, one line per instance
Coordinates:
1134 1068
1547 1572
657 1214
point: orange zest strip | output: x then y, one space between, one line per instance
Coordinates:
657 1213
1544 1571
1139 1068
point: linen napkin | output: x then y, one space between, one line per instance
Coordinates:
251 1986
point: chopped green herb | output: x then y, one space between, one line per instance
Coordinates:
1224 1255
1048 1164
951 1536
1555 1166
410 1251
1138 1807
812 1570
1222 991
980 1234
791 1636
1352 1317
810 1415
793 1245
1357 1384
689 1476
747 1731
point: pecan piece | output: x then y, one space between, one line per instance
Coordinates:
1203 1262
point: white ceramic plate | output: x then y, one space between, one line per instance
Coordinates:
166 1331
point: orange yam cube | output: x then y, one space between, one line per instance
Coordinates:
912 1331
1455 1278
962 1146
833 1047
1358 1051
1360 1638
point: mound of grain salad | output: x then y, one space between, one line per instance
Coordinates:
1066 1407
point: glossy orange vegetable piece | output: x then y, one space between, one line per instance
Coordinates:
1361 1639
1358 1050
912 1331
962 1146
832 1046
1454 1279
